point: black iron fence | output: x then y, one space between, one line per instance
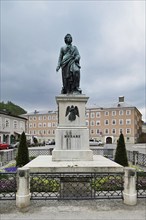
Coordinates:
7 155
141 184
37 152
76 185
136 158
141 159
8 186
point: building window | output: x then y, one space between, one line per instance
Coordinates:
87 115
30 125
120 121
106 113
128 121
35 132
92 114
113 122
34 118
97 123
128 112
49 124
44 118
92 131
120 131
22 125
7 123
106 131
113 113
53 124
128 131
92 123
53 117
97 114
53 131
30 118
40 132
106 122
121 112
49 132
113 131
34 125
44 125
49 117
39 125
97 131
15 124
40 118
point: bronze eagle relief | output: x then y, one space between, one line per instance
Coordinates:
72 111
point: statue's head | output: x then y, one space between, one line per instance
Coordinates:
68 39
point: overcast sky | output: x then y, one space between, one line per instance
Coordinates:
110 37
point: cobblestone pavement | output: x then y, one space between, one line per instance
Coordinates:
74 210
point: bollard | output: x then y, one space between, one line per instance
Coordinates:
23 188
129 193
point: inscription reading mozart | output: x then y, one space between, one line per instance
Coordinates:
71 136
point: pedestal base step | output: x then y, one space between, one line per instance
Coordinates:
72 155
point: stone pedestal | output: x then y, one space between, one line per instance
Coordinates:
72 134
74 176
99 164
23 189
130 193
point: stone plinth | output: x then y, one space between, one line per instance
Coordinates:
23 189
98 164
63 101
72 134
72 155
130 193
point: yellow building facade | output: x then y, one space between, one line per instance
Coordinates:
104 124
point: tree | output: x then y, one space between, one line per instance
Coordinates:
121 154
23 154
12 108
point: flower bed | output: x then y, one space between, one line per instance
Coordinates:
44 185
8 182
9 168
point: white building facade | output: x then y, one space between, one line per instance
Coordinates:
11 127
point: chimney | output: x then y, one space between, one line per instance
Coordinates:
35 111
121 98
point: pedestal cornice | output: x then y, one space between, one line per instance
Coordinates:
72 98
